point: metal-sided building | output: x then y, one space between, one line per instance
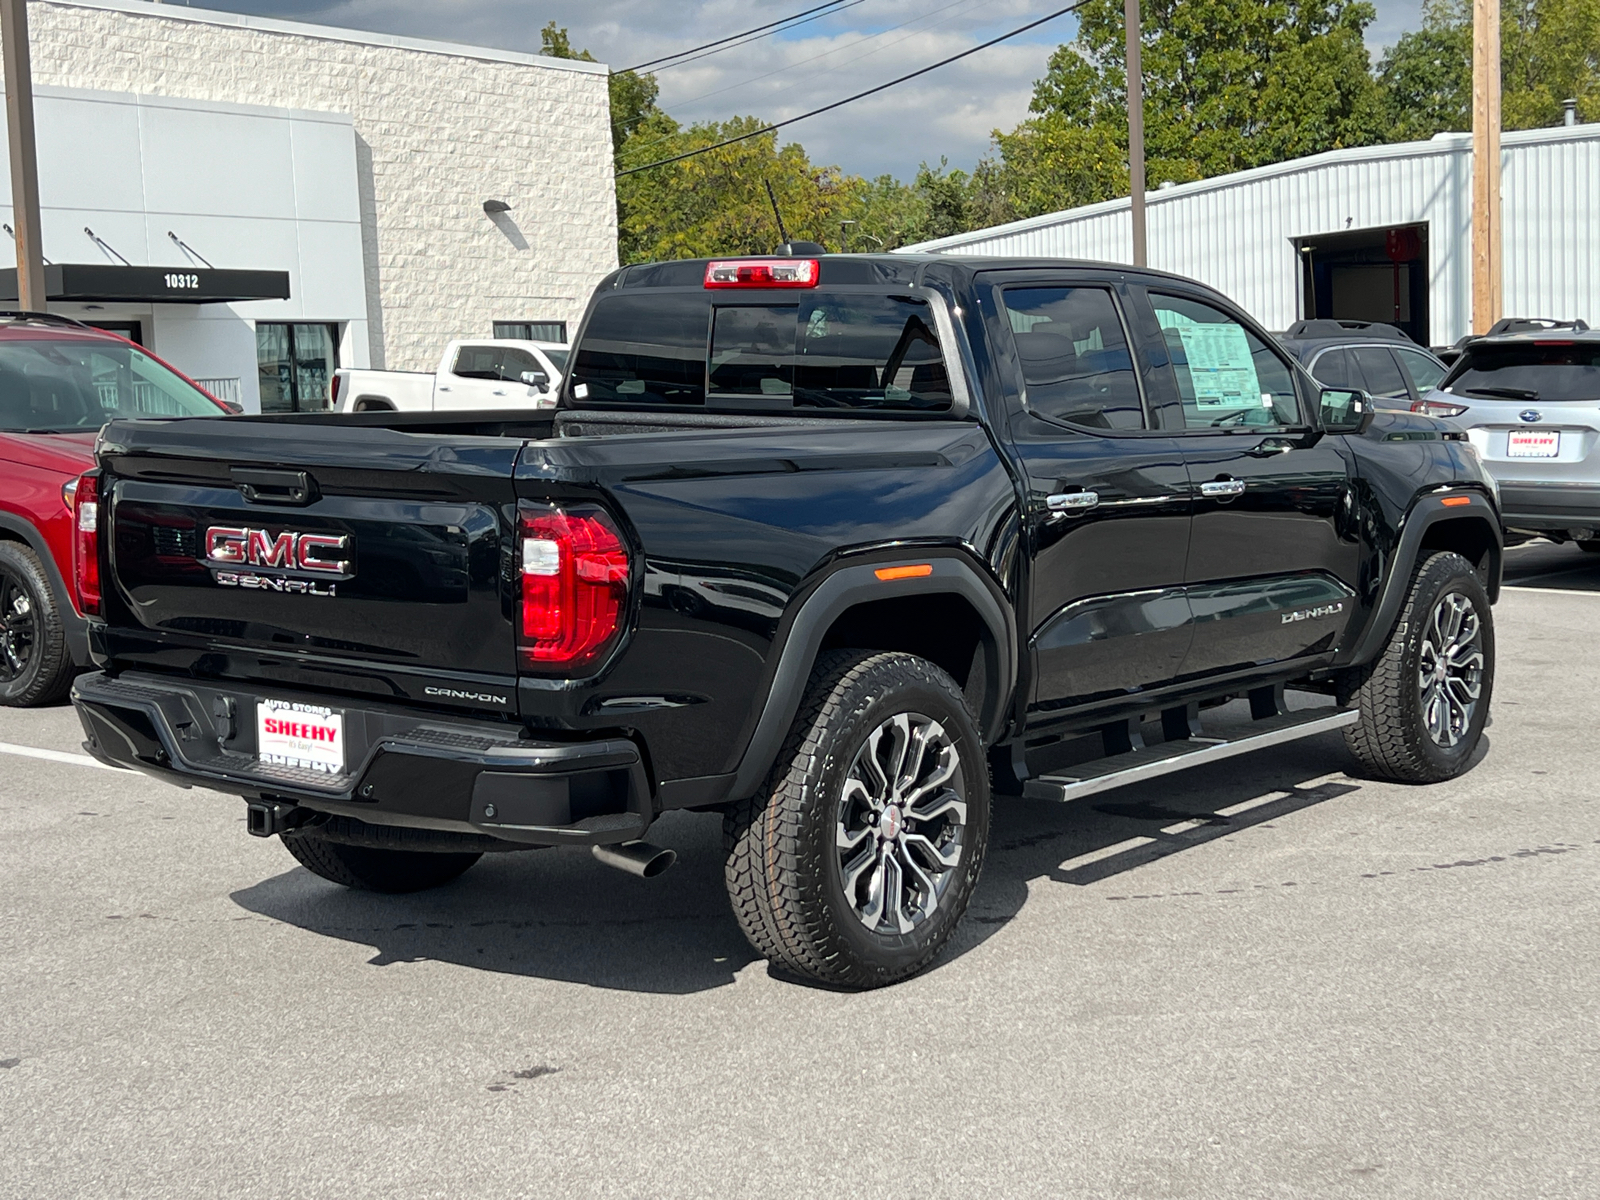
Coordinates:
1379 233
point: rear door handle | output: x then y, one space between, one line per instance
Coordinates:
1222 489
1071 504
1273 445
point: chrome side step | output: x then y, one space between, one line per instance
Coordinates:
1136 765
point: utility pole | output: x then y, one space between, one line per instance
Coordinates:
1486 269
1130 18
24 161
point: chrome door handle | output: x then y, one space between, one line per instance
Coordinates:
1222 489
1070 504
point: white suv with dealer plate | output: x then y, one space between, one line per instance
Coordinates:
1530 404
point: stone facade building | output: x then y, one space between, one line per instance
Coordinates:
358 163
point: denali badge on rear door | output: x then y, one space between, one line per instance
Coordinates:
280 556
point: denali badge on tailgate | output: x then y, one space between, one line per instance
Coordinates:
279 556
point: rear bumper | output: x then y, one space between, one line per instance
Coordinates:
403 767
1549 506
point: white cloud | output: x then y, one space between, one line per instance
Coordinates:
949 112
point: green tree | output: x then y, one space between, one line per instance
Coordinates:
1228 84
1549 52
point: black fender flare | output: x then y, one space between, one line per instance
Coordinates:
853 582
1426 512
76 628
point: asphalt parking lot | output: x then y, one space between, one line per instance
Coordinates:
1264 978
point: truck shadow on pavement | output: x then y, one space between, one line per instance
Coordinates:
559 915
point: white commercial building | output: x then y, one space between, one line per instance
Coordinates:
259 201
1380 233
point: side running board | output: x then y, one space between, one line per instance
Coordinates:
1136 765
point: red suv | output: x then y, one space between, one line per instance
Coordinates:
60 381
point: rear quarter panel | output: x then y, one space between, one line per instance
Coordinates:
733 528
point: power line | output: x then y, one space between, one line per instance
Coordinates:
815 112
708 53
733 37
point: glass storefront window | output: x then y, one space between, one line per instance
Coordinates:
295 363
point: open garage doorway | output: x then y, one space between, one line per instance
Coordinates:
1368 275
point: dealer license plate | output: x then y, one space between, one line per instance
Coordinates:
1533 443
300 735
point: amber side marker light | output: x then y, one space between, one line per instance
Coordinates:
888 574
1455 501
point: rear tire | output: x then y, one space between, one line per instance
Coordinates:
370 869
35 665
1425 701
855 863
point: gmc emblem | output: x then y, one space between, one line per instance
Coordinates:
317 553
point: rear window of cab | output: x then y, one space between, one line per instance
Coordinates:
850 352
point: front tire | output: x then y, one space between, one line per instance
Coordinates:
1425 701
373 868
856 862
35 665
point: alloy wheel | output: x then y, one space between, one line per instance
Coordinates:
901 824
1450 668
17 627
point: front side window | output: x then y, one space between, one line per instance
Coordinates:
81 384
1226 375
1074 356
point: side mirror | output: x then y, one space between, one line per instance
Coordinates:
1346 410
535 379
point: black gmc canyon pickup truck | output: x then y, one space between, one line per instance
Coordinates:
835 546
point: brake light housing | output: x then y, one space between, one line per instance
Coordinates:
573 575
763 273
1438 408
86 544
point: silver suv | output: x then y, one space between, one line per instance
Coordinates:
1530 403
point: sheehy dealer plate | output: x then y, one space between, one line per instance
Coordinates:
300 735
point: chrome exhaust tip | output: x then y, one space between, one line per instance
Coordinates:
636 858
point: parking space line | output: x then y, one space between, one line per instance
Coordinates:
1543 591
60 756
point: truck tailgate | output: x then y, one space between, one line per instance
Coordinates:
347 557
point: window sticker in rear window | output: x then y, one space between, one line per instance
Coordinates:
1220 365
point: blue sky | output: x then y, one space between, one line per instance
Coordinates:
949 112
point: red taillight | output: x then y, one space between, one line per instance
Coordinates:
333 391
763 273
574 570
86 544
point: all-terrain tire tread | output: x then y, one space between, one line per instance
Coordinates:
1386 739
775 885
375 869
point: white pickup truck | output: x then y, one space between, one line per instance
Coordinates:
491 373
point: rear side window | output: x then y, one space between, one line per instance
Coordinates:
1333 369
1425 372
1560 371
845 351
1074 356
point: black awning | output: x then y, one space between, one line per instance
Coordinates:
107 282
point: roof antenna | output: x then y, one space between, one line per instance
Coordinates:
777 216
